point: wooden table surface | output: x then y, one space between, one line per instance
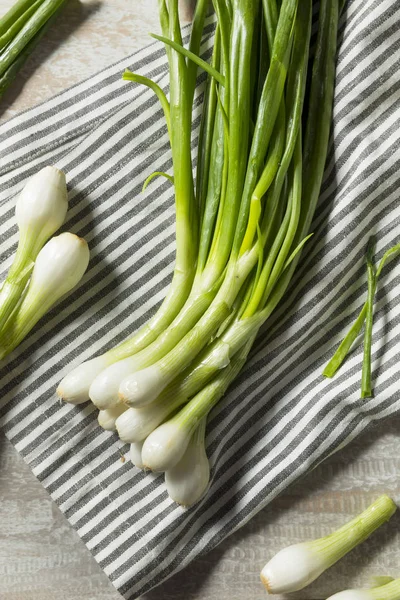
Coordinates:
41 556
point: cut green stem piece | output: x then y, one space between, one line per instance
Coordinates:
297 566
366 388
193 57
345 346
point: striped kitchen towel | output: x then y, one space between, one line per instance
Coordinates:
282 417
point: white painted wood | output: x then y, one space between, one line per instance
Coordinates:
41 556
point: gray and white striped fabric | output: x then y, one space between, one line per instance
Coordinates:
282 417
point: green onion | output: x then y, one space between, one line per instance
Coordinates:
28 31
388 591
188 480
297 566
59 266
20 31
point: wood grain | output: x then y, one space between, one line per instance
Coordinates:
41 556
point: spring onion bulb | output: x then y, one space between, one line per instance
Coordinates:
166 445
135 454
135 424
59 267
107 418
188 480
40 211
103 390
297 566
75 385
388 591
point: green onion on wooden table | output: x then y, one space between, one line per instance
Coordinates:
390 590
21 28
295 567
241 223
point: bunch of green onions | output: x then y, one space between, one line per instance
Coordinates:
240 225
21 28
44 268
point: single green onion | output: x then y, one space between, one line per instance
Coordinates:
59 267
297 566
188 480
388 591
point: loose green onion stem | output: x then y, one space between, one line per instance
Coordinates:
346 344
366 388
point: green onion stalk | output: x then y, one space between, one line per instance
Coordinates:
241 226
21 29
